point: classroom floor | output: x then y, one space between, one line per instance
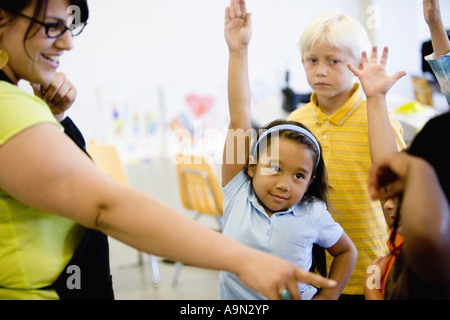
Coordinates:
132 278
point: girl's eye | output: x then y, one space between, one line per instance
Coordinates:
270 170
334 61
298 176
275 169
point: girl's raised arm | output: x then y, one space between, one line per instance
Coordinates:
439 38
237 34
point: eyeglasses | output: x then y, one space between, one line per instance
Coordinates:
57 29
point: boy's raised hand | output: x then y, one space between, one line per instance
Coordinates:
374 79
238 27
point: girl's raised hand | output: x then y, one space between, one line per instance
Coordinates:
238 27
431 11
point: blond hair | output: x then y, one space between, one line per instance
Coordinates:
337 30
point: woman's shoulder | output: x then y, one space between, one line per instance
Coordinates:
20 110
11 94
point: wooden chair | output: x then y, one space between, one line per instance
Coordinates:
422 91
107 159
200 191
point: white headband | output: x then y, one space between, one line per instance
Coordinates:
291 127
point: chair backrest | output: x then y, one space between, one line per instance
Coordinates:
422 91
107 159
200 188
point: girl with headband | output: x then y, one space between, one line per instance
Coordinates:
276 195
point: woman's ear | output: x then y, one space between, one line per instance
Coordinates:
4 18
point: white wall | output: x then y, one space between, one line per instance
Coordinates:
142 58
402 27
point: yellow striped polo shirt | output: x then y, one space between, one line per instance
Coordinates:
345 142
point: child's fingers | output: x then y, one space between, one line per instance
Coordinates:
364 58
377 261
237 9
385 190
231 10
248 20
384 56
397 76
374 55
227 15
353 69
243 9
391 190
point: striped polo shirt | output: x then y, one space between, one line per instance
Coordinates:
345 141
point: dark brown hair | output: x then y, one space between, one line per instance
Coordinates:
16 6
319 187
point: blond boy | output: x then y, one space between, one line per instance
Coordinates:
338 117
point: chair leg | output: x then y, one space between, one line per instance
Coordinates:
154 271
176 274
140 258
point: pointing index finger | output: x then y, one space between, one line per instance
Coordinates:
314 279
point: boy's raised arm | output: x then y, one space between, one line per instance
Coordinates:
237 34
376 84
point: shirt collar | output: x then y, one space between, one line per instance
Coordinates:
339 117
395 247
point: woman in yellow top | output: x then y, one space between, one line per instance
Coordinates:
50 191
